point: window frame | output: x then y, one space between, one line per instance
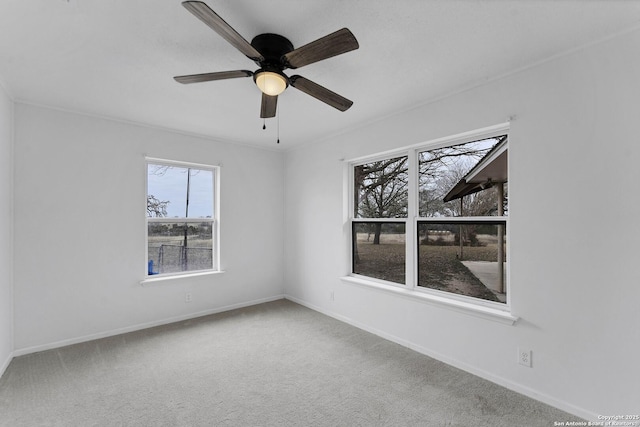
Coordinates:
500 311
214 220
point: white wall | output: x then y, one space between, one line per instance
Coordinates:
80 218
574 231
6 219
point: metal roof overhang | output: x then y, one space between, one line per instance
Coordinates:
491 169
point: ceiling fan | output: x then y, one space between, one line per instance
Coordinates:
274 53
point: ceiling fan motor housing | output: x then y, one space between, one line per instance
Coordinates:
272 47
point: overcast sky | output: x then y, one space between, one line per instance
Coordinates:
171 185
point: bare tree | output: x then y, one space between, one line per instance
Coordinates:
381 191
155 207
439 170
381 186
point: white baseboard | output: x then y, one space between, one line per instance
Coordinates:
5 364
518 388
133 328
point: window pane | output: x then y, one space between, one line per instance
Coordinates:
464 259
379 250
381 189
201 194
167 189
464 180
178 247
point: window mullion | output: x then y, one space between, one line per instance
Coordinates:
412 213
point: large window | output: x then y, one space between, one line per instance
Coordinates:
434 219
182 224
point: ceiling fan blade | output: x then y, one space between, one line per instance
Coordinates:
217 24
341 41
268 107
321 93
207 77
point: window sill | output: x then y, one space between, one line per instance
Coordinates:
484 312
156 280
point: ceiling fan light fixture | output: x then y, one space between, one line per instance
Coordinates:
271 83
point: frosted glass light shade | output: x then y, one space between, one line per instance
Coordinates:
271 83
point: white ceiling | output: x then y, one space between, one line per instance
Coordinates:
116 58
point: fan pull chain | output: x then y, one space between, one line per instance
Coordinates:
264 124
278 114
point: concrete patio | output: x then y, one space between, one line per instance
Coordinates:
487 273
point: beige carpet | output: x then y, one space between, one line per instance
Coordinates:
275 364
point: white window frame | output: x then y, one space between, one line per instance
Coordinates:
488 309
215 221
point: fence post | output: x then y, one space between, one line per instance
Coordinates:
160 258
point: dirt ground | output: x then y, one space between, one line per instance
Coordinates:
439 266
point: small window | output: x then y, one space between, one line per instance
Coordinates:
182 227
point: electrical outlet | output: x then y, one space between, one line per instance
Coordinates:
524 357
188 297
